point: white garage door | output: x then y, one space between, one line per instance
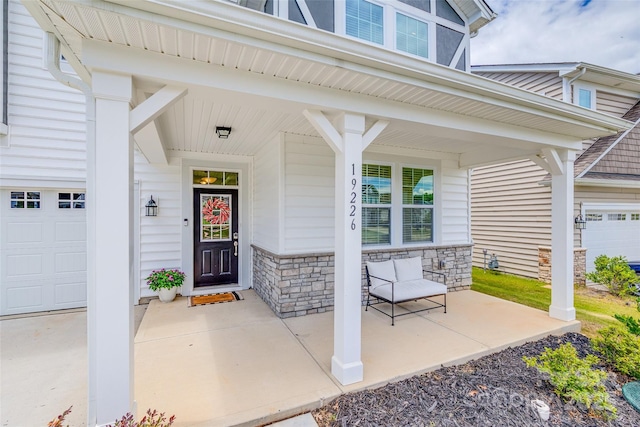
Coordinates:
612 232
43 245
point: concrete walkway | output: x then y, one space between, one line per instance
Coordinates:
238 364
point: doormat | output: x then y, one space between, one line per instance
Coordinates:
214 298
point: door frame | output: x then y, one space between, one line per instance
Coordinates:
241 165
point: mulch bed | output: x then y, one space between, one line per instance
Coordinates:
495 390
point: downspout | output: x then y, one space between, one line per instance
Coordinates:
5 68
53 65
566 85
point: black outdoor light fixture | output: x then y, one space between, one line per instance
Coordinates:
223 132
580 222
151 207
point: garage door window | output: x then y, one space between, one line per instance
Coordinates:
70 200
594 217
635 217
617 217
25 200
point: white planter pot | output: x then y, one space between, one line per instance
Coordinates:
167 295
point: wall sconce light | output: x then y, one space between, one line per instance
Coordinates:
151 207
223 132
580 222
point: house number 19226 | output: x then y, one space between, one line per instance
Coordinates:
354 196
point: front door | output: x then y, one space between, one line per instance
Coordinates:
215 236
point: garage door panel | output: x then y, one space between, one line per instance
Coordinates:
21 233
70 262
24 265
70 293
24 299
70 232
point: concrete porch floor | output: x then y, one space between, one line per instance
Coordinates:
238 364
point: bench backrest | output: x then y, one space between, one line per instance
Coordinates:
397 270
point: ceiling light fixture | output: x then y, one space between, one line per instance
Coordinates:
223 132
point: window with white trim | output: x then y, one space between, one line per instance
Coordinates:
584 96
635 217
412 35
71 201
593 217
365 20
25 200
417 205
376 204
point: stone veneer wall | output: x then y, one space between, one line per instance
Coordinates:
297 285
579 265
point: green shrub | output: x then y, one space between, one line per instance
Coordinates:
574 379
614 273
632 324
620 348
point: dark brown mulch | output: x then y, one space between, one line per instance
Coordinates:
495 390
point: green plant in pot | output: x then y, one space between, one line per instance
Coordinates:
166 282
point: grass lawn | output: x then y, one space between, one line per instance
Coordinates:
595 309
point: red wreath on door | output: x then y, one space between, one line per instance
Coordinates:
216 204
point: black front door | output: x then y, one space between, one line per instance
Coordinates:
215 237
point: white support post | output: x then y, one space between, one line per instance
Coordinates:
110 276
346 363
347 140
562 238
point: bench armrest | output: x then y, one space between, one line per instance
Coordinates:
444 276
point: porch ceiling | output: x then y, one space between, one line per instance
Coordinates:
451 112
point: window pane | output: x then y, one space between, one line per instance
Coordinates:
417 186
64 196
231 178
376 226
64 205
78 205
17 204
78 196
33 204
17 195
364 20
33 195
411 35
376 184
584 98
417 225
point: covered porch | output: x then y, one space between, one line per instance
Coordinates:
239 364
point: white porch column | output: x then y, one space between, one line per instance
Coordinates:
346 363
561 163
348 140
110 272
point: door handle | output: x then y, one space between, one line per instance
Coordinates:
235 247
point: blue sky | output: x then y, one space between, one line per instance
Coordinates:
599 32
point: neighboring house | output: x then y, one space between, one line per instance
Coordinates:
511 202
257 133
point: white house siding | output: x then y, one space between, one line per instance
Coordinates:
548 84
455 206
309 195
267 195
46 119
510 215
616 105
160 236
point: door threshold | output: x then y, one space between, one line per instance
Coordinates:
216 289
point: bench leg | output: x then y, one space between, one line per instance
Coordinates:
445 303
393 318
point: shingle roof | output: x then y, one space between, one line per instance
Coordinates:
615 156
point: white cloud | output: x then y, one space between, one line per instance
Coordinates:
599 32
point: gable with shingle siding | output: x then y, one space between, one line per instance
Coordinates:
613 155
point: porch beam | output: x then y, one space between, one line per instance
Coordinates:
562 306
154 106
538 160
347 141
110 274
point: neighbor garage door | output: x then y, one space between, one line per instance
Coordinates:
612 232
43 263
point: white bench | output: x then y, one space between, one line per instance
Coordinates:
402 280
